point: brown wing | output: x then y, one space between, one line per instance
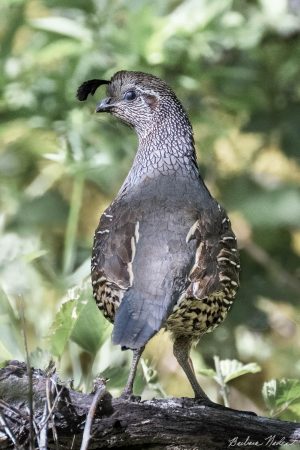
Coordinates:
113 252
216 268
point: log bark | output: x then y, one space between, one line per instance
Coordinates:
60 413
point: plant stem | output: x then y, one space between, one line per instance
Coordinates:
220 379
71 230
29 374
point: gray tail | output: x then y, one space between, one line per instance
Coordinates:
134 327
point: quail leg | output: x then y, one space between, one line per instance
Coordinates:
127 392
181 350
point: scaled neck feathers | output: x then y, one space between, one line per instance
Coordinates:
165 148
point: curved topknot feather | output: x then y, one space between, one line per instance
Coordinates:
89 87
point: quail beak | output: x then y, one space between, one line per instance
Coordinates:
105 105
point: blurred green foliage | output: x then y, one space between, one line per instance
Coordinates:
283 398
235 66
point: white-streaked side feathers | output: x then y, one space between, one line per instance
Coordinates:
214 278
113 254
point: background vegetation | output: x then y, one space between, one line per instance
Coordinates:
235 66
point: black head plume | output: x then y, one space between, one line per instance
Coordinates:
89 87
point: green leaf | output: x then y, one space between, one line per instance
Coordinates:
80 320
90 329
282 394
116 376
62 327
295 408
231 369
11 346
62 25
39 358
58 51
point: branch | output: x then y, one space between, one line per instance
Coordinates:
99 394
156 424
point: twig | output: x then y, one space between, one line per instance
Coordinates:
89 420
36 429
52 407
13 410
8 431
44 430
73 440
49 392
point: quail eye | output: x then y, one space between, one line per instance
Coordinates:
130 95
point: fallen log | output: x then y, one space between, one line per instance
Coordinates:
60 415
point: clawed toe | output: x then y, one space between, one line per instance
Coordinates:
211 404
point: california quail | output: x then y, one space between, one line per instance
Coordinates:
164 254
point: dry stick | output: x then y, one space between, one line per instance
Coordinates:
5 405
43 425
51 408
44 430
29 374
8 431
89 420
36 429
73 440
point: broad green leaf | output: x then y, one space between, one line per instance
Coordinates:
231 369
62 327
90 329
79 320
282 393
116 376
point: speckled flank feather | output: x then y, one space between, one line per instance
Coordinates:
113 253
214 282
